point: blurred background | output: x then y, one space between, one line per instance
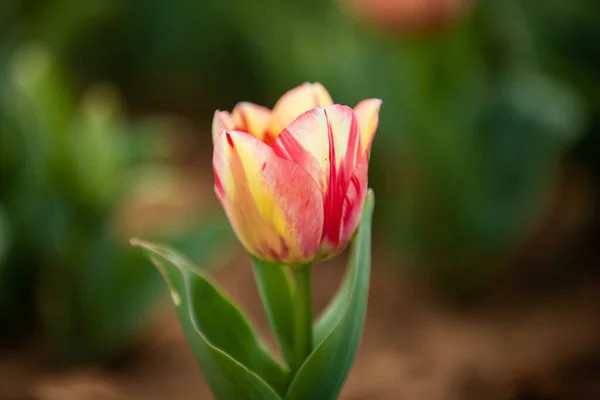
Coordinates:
486 169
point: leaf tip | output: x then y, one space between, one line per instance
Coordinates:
135 242
371 196
176 298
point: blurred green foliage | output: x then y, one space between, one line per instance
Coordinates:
477 121
66 167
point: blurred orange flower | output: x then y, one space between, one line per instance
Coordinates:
410 15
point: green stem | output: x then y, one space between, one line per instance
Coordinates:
302 316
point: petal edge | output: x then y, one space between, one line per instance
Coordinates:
294 103
251 118
367 113
222 121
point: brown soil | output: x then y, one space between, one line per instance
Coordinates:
412 348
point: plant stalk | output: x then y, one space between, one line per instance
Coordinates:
302 315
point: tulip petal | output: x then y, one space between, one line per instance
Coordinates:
367 113
251 118
222 121
318 136
295 102
354 201
267 199
325 142
305 141
344 139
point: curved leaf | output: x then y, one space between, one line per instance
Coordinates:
339 331
275 288
233 359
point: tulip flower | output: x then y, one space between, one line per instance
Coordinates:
410 15
293 183
293 180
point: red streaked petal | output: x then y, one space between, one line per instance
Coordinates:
367 113
305 141
222 121
342 230
325 142
295 102
344 138
267 199
354 201
319 136
251 118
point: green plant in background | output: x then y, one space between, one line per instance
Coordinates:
66 167
480 114
476 128
566 38
474 134
4 238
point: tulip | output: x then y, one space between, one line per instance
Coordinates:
293 180
410 15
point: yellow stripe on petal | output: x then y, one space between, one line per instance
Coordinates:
222 121
295 102
367 113
267 199
252 118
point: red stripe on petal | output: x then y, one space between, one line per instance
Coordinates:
333 208
354 200
305 142
344 142
346 135
218 185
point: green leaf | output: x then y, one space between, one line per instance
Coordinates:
275 288
338 332
234 361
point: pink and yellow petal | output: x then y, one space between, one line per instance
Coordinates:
222 121
343 216
344 139
252 118
295 102
267 199
354 201
305 142
325 142
318 137
367 113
